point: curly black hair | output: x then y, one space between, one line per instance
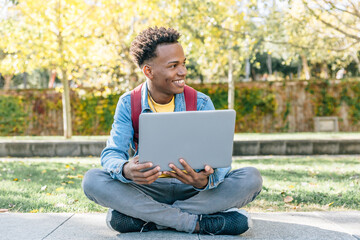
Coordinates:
144 46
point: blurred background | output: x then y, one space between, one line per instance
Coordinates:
279 63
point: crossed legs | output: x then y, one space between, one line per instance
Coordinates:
167 201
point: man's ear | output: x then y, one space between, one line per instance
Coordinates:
147 71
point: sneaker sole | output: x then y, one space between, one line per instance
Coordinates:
108 219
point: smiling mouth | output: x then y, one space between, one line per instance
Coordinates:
182 81
179 83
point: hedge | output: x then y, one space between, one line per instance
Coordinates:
260 106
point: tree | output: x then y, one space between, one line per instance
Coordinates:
60 39
14 53
342 19
309 30
215 37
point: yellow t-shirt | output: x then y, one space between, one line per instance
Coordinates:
169 107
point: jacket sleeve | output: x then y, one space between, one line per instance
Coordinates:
115 154
205 104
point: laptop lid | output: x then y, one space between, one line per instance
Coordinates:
199 137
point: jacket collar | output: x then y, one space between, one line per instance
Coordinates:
179 100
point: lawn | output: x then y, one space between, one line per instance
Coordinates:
290 184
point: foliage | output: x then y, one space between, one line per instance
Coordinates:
324 101
260 107
252 104
350 95
12 116
94 113
327 98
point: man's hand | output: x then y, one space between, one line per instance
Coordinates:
132 171
195 179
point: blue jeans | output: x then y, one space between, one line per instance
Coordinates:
168 202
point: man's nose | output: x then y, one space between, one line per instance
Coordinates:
182 71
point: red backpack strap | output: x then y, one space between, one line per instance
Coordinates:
135 112
190 95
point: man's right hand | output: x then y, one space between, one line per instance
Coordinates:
133 170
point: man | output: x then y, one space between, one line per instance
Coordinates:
195 201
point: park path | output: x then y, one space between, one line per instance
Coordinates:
298 225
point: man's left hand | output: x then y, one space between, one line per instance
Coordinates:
195 179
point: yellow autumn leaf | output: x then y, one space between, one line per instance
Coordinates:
71 177
70 182
291 186
48 194
80 176
330 204
43 171
34 211
15 179
59 189
67 166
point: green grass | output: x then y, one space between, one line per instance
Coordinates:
23 182
74 138
314 183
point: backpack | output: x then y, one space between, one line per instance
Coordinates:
190 95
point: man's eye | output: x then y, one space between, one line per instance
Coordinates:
172 66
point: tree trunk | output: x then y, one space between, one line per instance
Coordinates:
231 88
299 71
66 92
324 71
7 81
66 106
25 75
356 59
52 78
247 70
305 67
269 64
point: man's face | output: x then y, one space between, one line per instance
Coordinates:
168 72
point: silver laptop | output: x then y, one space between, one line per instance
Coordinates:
199 137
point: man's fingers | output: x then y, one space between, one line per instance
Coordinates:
141 166
148 173
151 172
208 170
174 175
187 167
178 171
147 180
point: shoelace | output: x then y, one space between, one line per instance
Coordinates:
142 228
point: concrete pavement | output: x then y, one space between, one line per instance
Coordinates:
66 148
244 145
297 225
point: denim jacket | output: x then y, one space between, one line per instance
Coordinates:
115 154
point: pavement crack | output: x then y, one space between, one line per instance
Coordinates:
58 226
